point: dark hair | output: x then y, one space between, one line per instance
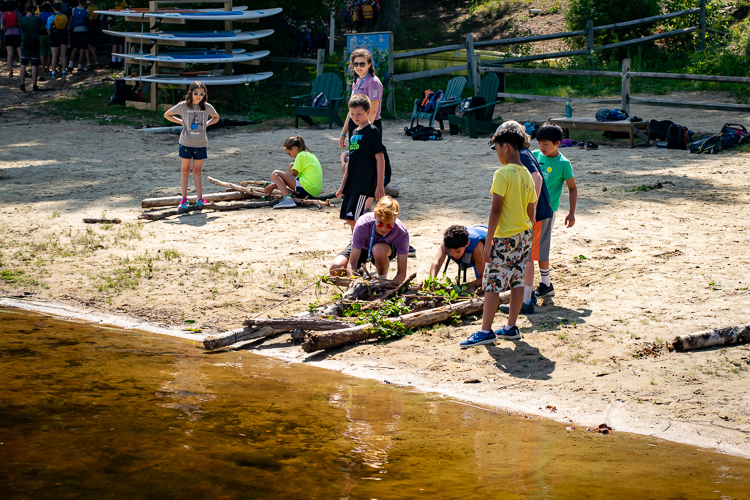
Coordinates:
295 142
45 7
29 7
57 6
456 237
360 101
550 132
362 53
189 97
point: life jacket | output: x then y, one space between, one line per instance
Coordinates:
60 22
477 234
44 17
79 17
11 18
92 12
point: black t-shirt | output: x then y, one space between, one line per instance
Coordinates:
543 206
30 26
362 175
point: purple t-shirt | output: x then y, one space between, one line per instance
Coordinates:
398 236
371 87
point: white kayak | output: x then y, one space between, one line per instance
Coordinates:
202 56
206 80
194 36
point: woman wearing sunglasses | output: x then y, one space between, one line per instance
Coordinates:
378 237
196 115
365 83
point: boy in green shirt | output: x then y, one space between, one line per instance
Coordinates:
513 209
556 170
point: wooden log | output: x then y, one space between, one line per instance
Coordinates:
102 221
173 201
211 206
232 337
254 183
387 295
318 341
349 280
259 192
291 323
719 336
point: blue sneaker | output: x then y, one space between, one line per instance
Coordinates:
512 334
526 309
183 204
479 338
200 203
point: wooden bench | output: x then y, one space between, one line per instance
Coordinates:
634 129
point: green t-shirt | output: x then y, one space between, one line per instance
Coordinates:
514 183
555 171
309 173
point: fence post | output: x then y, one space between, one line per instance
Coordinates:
332 33
589 37
477 75
625 102
702 22
319 62
470 62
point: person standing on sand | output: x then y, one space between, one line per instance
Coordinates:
196 116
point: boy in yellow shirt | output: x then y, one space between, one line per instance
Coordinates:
513 209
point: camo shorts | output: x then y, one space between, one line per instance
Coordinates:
508 257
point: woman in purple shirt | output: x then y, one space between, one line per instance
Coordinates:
367 84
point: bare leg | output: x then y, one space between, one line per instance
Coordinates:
34 74
184 175
197 179
491 301
10 60
55 56
63 55
516 299
351 224
380 254
23 75
284 181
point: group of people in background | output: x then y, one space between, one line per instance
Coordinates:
41 33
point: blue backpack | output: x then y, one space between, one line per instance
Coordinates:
432 100
610 115
79 17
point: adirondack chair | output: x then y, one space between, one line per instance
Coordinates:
332 86
451 98
479 117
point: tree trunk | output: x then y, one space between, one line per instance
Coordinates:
173 201
318 341
709 338
389 18
295 322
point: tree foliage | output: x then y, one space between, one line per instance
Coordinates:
603 12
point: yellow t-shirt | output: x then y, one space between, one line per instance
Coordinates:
514 183
309 173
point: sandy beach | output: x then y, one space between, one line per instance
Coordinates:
638 267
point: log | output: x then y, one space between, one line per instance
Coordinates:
253 183
102 221
259 193
349 280
318 341
719 336
390 293
212 206
231 337
291 323
173 201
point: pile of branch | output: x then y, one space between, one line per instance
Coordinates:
326 329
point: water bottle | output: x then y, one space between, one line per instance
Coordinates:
568 111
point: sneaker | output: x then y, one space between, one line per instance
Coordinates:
23 88
525 309
286 203
545 290
591 145
412 252
200 203
183 204
479 338
36 89
53 74
512 334
64 73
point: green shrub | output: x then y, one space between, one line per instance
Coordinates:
603 12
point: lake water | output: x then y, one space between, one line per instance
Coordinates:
93 412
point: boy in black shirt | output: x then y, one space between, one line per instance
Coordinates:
364 174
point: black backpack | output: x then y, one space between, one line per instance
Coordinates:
678 137
319 100
426 134
471 102
657 129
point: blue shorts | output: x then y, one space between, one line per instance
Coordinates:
193 153
301 191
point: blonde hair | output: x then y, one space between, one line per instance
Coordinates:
295 142
387 209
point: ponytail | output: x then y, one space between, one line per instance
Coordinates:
296 142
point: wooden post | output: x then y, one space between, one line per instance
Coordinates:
319 62
331 33
625 90
477 75
590 37
153 6
470 62
702 24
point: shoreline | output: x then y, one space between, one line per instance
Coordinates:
713 438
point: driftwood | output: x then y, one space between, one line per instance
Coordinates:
102 221
254 183
259 193
322 197
710 338
173 201
390 293
211 206
318 341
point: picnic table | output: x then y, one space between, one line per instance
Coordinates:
634 129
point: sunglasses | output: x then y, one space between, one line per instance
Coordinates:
359 64
381 224
199 93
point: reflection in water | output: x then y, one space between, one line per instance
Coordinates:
92 412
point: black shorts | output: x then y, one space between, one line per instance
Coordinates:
30 54
58 38
13 41
363 254
80 40
353 206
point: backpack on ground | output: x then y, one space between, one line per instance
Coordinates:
678 136
610 115
432 100
657 129
730 135
426 134
123 93
319 100
471 102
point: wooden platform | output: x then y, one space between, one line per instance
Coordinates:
635 129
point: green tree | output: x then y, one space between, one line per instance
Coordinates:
603 12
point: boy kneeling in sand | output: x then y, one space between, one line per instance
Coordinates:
378 237
465 246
